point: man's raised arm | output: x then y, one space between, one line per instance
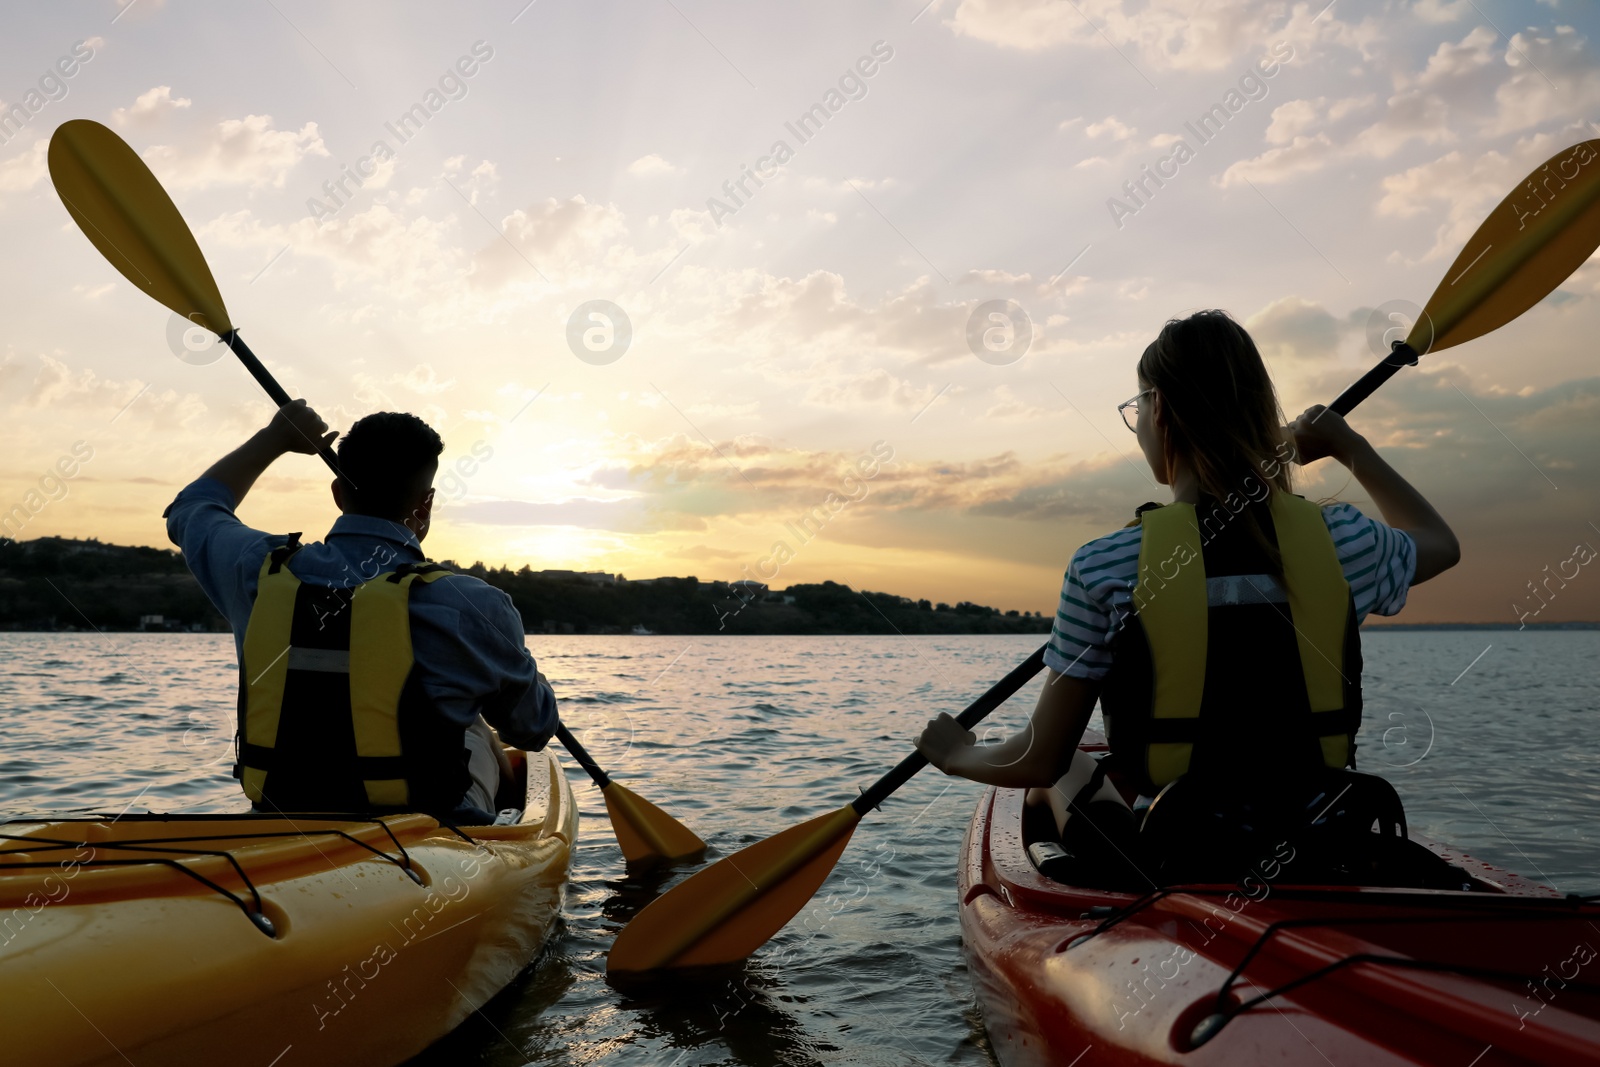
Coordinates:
294 428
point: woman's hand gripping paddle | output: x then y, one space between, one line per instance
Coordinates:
730 909
1527 246
128 216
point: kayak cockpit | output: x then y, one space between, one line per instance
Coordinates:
1327 828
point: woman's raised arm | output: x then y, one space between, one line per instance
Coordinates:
1323 432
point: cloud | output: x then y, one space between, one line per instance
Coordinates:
706 552
475 185
1487 458
1463 90
1008 407
57 385
150 108
652 164
1112 127
26 169
425 381
1289 120
1297 117
410 260
620 516
558 236
1554 76
991 278
1159 34
1294 329
247 151
1096 492
1453 63
1466 186
1411 115
49 385
875 389
1303 155
1440 10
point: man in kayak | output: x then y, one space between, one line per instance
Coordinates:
366 673
1218 632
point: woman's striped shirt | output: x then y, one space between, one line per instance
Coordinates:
1378 561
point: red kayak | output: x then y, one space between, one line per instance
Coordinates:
1268 971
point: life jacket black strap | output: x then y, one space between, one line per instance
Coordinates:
1092 786
281 555
419 569
367 767
1189 731
1339 721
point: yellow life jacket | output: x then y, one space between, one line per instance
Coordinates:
332 716
1243 660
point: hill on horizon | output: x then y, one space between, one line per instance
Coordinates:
58 583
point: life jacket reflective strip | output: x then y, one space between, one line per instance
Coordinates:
378 664
1172 599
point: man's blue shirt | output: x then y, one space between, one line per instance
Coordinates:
466 636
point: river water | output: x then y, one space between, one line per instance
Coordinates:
1489 736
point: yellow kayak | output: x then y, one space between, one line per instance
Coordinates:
278 941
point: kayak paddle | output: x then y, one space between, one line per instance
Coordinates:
1527 246
1531 242
645 832
728 910
123 210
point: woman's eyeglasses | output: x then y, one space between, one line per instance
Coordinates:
1129 410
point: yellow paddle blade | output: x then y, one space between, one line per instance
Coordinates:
122 209
644 831
730 909
1527 246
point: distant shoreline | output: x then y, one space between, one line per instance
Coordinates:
62 585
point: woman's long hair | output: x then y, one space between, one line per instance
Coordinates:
1221 410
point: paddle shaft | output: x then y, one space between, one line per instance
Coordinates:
265 379
1401 355
975 713
579 753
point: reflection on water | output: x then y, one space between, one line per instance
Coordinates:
742 737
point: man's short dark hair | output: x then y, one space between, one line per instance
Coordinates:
386 461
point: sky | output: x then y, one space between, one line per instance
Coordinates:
669 275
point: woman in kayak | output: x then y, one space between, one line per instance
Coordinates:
1218 632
